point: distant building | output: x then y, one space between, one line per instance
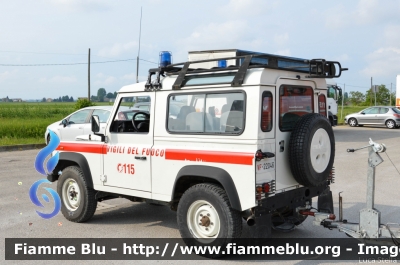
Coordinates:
49 100
16 100
6 99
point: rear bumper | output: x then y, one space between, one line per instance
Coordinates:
292 198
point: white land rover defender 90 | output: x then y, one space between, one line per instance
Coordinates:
245 136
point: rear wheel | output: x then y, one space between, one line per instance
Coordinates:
205 217
352 122
390 124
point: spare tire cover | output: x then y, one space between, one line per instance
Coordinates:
312 150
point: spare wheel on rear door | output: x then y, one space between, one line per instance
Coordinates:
312 150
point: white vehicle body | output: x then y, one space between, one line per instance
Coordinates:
334 92
230 136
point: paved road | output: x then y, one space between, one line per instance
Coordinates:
122 218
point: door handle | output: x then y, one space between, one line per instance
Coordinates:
140 157
80 127
281 146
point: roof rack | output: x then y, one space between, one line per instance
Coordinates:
315 68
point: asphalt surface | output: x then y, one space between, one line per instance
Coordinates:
120 218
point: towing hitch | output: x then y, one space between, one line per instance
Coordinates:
369 225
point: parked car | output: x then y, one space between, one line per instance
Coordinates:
378 115
142 105
78 123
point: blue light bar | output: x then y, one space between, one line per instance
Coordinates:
165 58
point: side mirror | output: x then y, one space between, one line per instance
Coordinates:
95 122
64 122
363 113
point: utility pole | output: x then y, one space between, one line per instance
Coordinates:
89 75
390 95
344 91
370 103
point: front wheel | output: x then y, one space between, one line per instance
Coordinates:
390 124
352 122
78 200
204 215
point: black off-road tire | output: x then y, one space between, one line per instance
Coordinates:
70 177
230 220
311 165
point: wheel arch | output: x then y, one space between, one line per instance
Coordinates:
194 174
67 159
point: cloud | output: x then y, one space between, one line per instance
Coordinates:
58 79
232 34
104 80
7 75
253 7
281 39
285 52
82 5
118 49
383 62
374 11
131 76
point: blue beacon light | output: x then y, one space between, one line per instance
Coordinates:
165 58
222 63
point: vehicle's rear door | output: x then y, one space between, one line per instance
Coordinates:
294 99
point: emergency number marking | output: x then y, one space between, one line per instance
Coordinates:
126 168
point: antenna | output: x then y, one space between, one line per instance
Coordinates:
137 59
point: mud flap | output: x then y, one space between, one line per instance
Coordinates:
263 225
325 201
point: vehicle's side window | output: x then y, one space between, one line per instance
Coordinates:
103 114
130 120
266 112
214 113
294 102
79 117
384 110
372 111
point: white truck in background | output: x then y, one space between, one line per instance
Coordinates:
334 93
398 91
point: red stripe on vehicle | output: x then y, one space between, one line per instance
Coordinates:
210 156
83 148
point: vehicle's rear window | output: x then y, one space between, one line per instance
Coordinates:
396 110
266 112
294 102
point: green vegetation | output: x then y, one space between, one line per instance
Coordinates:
26 123
83 103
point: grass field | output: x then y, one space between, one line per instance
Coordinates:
26 123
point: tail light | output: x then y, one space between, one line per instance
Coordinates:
396 115
264 190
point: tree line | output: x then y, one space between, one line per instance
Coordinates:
382 97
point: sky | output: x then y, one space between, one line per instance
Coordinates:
363 36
